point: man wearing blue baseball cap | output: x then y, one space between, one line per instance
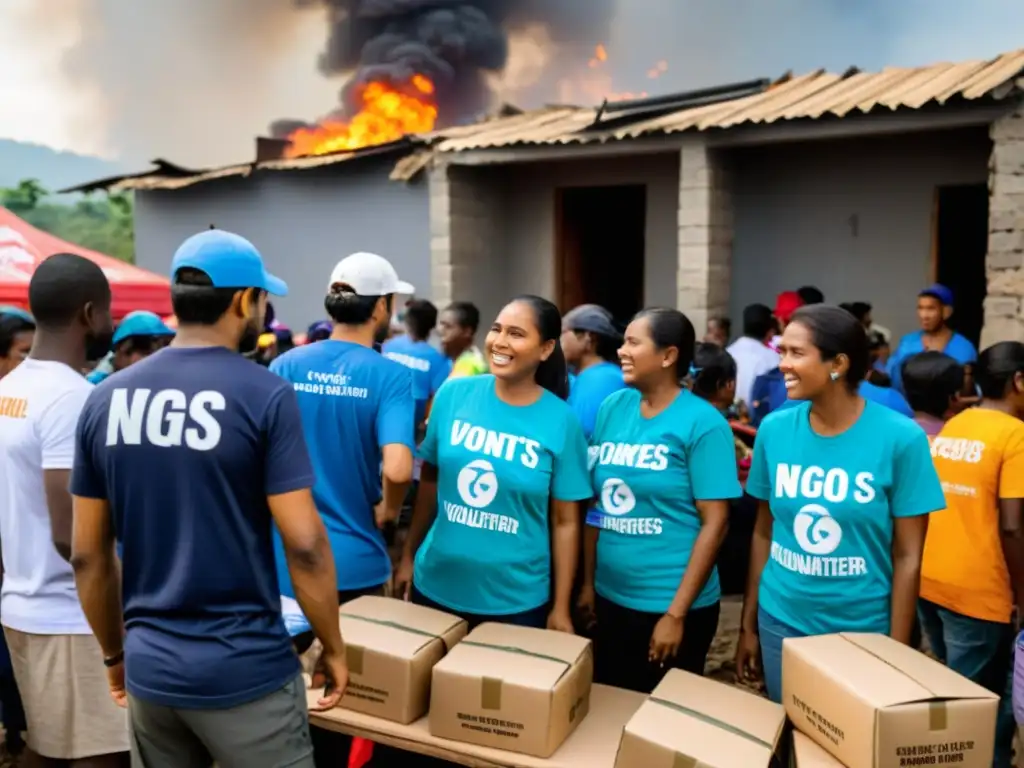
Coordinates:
190 457
934 309
139 335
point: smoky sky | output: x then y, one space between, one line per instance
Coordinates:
195 80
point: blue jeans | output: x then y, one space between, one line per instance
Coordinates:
537 618
981 651
771 632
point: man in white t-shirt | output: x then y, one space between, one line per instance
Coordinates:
751 352
57 661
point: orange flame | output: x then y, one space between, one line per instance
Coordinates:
387 114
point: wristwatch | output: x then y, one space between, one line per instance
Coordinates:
113 661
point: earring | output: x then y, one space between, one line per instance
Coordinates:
834 375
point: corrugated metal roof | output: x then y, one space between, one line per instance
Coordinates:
809 96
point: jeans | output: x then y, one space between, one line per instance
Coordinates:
981 651
536 618
771 633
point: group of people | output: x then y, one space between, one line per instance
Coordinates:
175 534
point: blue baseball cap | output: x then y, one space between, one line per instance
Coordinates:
229 260
940 292
17 312
141 323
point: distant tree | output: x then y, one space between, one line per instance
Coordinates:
103 224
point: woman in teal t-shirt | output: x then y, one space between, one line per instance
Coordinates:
664 468
845 486
501 450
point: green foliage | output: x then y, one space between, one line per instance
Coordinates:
102 224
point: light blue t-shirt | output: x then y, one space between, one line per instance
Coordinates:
429 367
887 396
489 549
833 500
589 388
958 347
647 474
353 402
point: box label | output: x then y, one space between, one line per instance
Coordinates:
940 753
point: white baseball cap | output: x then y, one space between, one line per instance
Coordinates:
368 275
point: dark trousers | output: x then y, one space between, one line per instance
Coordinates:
12 714
622 640
982 651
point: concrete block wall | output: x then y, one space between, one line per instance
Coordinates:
705 233
1005 260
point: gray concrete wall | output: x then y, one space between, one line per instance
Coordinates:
853 217
1005 260
302 221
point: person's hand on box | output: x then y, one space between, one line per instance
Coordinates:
402 580
666 639
561 621
331 673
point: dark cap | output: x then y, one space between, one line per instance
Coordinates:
591 318
940 292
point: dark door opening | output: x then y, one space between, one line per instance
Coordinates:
959 246
600 248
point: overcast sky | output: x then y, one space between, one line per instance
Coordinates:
195 80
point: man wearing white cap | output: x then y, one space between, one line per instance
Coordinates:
358 416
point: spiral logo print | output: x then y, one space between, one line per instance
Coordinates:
616 497
477 483
816 531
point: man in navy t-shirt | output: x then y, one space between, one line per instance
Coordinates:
358 418
189 458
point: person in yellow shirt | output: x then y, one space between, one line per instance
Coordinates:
972 573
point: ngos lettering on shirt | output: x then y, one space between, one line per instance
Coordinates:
817 533
330 384
477 482
161 417
617 498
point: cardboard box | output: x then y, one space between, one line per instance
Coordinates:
692 721
513 688
391 647
807 754
873 702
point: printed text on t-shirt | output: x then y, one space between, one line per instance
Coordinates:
160 417
498 445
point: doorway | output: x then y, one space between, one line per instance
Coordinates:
600 243
959 247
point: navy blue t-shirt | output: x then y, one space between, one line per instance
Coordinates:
186 446
353 402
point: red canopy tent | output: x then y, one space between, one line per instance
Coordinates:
23 247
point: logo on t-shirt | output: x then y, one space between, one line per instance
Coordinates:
161 417
616 497
816 531
477 483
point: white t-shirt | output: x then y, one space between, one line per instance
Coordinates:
39 406
752 360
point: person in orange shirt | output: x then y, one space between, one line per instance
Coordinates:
972 574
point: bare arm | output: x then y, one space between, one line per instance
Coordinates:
590 534
907 549
565 549
1011 529
760 547
310 563
714 518
97 576
423 512
397 476
58 502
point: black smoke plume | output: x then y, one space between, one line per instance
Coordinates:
455 43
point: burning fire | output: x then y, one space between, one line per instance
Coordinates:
387 114
598 86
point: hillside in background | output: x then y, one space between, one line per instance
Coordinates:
54 170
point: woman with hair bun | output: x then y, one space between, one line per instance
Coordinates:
845 488
664 470
503 455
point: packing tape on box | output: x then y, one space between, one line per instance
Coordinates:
490 687
685 761
937 720
404 628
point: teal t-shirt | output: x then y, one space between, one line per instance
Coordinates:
833 500
489 549
648 474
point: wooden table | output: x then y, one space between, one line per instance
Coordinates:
592 745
